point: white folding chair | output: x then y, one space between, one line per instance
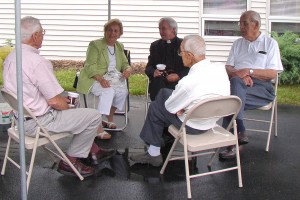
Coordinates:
273 118
42 137
210 141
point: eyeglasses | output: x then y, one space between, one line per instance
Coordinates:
179 52
244 23
43 31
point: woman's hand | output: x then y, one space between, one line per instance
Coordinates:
104 83
126 73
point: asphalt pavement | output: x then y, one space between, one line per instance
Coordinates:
266 175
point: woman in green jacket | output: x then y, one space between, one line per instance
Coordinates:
106 65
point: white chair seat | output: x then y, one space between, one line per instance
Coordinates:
214 138
29 141
266 107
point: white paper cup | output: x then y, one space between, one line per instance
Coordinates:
161 67
73 97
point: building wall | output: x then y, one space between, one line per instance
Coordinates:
70 25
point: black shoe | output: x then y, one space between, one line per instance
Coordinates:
229 153
101 155
146 158
242 138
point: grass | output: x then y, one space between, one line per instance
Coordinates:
289 95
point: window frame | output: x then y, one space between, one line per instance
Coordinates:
218 17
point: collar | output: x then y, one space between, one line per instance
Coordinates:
30 48
200 64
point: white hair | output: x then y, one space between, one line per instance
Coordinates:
172 23
194 44
29 25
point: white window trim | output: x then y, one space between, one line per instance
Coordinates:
213 17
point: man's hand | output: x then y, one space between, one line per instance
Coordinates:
59 102
180 112
157 73
173 77
248 81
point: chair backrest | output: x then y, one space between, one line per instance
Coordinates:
11 99
215 107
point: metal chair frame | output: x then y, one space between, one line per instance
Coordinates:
273 116
41 139
209 142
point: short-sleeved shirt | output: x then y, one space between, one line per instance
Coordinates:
39 81
263 53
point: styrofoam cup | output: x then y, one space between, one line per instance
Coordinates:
73 97
161 67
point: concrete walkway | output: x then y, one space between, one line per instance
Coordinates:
266 175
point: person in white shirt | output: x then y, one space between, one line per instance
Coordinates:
204 80
254 60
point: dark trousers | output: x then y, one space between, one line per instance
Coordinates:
260 94
158 118
157 83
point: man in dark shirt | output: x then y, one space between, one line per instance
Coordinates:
164 51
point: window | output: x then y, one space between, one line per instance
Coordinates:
221 28
220 18
285 16
226 7
285 8
281 27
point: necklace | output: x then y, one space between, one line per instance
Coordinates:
110 51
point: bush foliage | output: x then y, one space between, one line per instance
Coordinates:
289 45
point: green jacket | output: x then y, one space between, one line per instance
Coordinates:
97 62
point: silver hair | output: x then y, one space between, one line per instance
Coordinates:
29 25
172 23
254 16
194 44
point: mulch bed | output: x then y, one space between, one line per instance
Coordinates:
137 67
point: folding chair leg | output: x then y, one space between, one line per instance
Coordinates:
32 161
187 172
169 156
213 157
238 162
270 126
84 99
276 118
67 160
6 156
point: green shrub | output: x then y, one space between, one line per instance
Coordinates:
289 45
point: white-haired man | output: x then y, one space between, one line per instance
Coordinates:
254 60
204 80
42 95
164 51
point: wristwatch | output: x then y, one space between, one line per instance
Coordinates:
251 72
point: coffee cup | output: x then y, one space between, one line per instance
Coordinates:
73 97
161 67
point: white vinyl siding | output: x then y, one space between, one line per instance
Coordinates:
71 25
